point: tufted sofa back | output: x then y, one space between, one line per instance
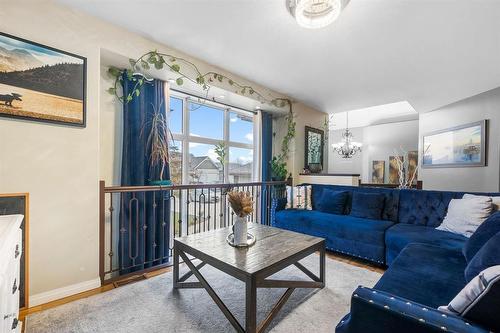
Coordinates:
427 207
420 207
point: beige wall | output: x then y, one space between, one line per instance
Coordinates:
60 166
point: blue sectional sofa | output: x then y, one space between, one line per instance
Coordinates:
425 266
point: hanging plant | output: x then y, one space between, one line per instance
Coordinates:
184 70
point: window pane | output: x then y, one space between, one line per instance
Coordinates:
203 165
240 165
240 128
175 116
205 121
176 162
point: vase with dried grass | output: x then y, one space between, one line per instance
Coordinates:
242 205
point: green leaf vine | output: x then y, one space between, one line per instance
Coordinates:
185 70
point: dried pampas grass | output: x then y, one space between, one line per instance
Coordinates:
241 203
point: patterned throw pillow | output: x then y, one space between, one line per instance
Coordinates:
298 197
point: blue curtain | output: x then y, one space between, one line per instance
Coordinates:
267 154
144 216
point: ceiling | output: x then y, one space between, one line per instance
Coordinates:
427 52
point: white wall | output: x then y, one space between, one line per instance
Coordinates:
479 107
58 165
379 142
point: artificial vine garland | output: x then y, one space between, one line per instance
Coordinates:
158 60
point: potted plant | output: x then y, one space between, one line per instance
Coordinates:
158 146
278 169
242 204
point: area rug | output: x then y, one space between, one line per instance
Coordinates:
152 306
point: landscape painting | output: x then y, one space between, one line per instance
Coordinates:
460 146
378 172
41 83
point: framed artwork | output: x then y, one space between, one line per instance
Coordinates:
378 172
41 83
314 146
393 170
18 203
460 146
412 164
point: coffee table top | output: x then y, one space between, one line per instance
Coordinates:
273 248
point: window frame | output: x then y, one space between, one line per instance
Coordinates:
185 138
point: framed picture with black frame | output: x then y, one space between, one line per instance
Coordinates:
41 83
314 149
460 146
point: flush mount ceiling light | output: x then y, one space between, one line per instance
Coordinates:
315 14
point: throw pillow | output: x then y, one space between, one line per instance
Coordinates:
484 232
478 300
488 255
331 201
495 200
298 197
465 215
367 205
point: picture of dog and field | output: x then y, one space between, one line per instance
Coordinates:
41 83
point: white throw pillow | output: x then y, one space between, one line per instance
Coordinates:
465 215
495 200
299 197
472 293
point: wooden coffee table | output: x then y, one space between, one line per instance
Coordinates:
274 250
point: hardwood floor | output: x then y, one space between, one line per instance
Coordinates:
148 275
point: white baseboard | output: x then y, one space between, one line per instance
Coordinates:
59 293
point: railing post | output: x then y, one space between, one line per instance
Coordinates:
102 209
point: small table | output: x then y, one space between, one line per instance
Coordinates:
274 250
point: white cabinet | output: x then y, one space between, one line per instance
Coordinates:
10 259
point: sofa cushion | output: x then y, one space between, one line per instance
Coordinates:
464 216
487 256
358 237
483 233
332 202
426 274
367 205
479 300
390 212
400 235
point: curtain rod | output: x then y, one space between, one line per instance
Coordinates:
213 100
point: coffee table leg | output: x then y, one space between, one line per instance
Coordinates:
251 306
322 264
176 266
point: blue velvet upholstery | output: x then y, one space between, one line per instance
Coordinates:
426 274
400 235
391 198
484 232
374 311
487 256
332 202
367 205
358 237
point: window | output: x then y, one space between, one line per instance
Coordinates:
198 128
175 115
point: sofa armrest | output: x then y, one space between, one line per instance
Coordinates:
277 204
376 311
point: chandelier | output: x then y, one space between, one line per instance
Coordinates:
315 14
347 148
